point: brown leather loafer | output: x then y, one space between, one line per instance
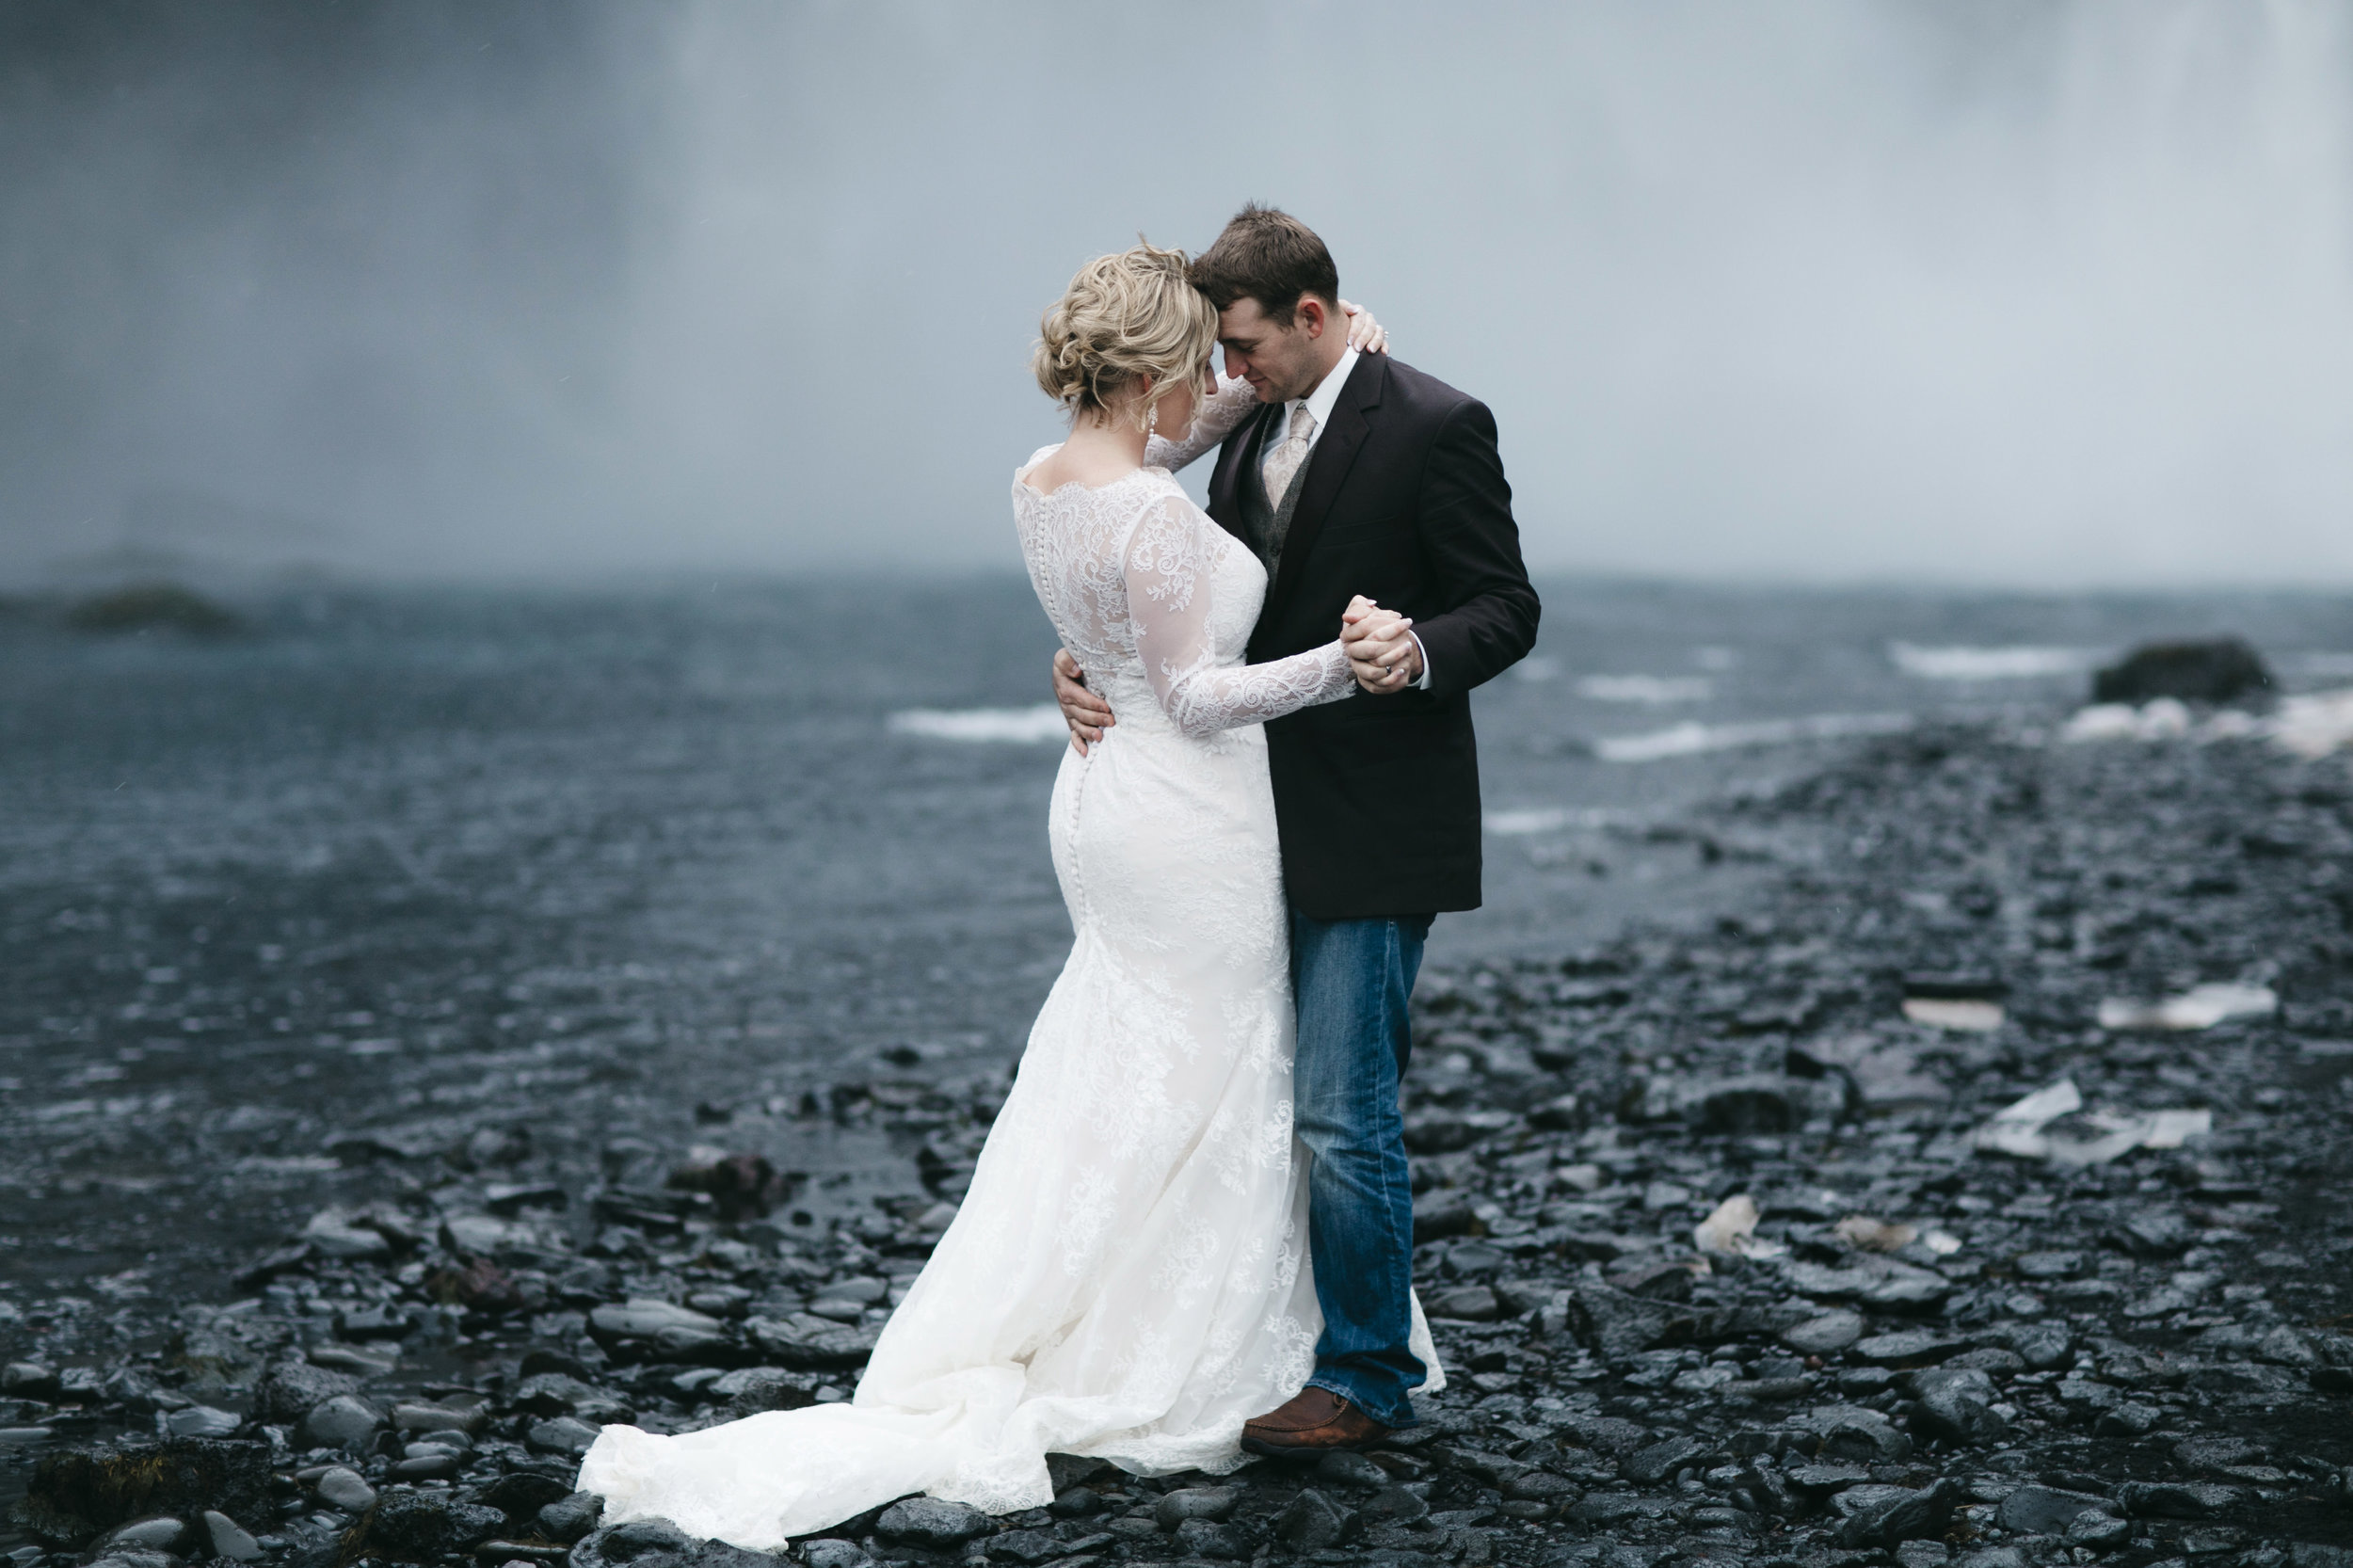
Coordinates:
1314 1421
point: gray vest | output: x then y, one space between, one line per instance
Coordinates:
1266 522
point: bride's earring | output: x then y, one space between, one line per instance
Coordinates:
1151 422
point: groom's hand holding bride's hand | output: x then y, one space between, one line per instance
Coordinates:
1087 714
1380 653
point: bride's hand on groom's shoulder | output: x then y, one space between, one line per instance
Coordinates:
1365 335
1087 714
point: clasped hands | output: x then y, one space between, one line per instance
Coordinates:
1381 655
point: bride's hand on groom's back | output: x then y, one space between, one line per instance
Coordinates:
1087 714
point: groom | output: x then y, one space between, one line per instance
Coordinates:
1357 475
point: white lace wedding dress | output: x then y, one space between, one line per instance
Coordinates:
1128 1276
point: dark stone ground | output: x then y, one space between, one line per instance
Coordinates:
2139 1361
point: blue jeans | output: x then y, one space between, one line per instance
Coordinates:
1352 979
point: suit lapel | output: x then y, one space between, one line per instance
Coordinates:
1327 468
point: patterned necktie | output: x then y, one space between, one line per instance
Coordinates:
1283 462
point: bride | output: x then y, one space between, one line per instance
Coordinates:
1126 1277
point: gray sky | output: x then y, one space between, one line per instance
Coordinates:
2017 293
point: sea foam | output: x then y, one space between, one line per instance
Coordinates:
1692 739
1035 725
1991 663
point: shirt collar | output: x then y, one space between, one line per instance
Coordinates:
1327 392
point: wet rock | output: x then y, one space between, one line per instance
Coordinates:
2169 1499
1472 1302
2218 670
1826 1334
655 1329
741 1186
1908 1348
1863 1436
229 1539
79 1492
1347 1467
1312 1523
1206 1538
1662 1280
929 1522
1216 1503
202 1420
1025 1546
560 1435
346 1421
157 1533
291 1388
421 1527
28 1380
1954 1408
521 1494
834 1554
2098 1530
2044 1346
343 1488
1613 1324
1650 1465
812 1344
570 1517
654 1538
1876 1515
750 1390
2040 1511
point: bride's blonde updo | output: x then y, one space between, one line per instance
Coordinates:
1124 317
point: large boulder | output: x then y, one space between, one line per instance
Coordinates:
2222 669
78 1493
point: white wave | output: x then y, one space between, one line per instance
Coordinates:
1013 726
1690 739
1651 689
2310 726
1991 663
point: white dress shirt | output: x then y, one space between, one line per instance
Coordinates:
1319 404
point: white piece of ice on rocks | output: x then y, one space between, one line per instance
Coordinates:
2200 1007
2019 1130
1730 1230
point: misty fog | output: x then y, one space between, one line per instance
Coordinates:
2033 294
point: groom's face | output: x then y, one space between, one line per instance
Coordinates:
1281 360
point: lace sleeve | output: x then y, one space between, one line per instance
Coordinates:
1170 582
1211 424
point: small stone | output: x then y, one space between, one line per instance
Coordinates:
1312 1522
421 1527
1827 1334
1955 1407
346 1421
231 1539
344 1489
1347 1467
2100 1531
1910 1346
291 1388
1470 1303
1215 1503
1649 1467
834 1554
2040 1511
437 1417
640 1537
158 1532
202 1420
2043 1345
929 1522
560 1435
2126 1419
1889 1516
1921 1554
27 1380
2166 1499
1208 1538
521 1494
568 1518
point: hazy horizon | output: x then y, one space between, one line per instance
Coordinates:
2025 296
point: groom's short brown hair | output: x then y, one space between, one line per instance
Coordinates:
1267 255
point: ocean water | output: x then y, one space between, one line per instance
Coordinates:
282 915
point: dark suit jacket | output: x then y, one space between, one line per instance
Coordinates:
1405 501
